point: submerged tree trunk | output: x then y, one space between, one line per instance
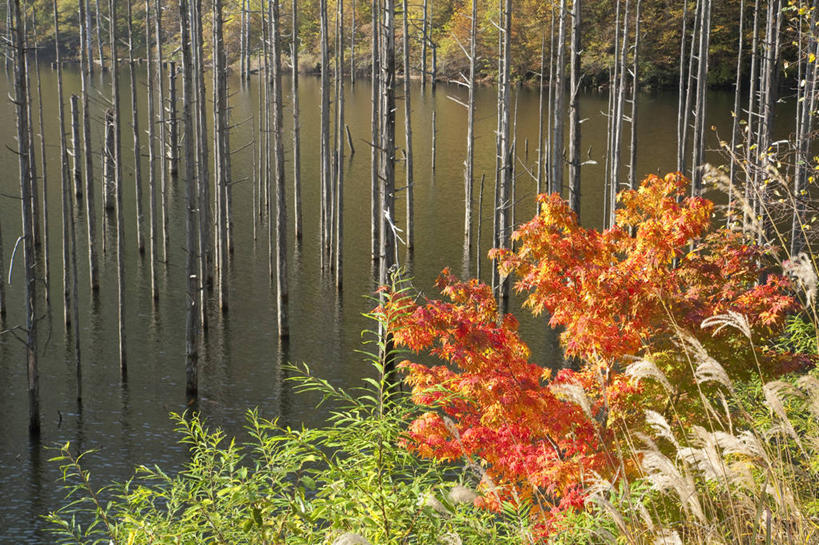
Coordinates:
387 193
574 110
560 104
152 212
339 175
281 197
294 55
24 167
375 108
221 154
140 215
326 170
470 133
43 162
191 205
408 134
118 183
506 159
632 174
88 172
163 163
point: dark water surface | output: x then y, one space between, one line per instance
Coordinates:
241 364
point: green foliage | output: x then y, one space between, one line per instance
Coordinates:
288 485
799 335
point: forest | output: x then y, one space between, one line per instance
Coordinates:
220 179
440 28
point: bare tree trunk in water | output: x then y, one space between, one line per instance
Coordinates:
281 197
574 110
632 174
72 314
387 193
88 171
99 37
326 170
541 89
65 187
163 151
152 212
375 196
339 175
700 108
504 218
118 183
140 215
173 133
469 170
424 42
220 156
560 104
408 135
191 205
45 247
24 167
736 113
294 55
352 46
681 87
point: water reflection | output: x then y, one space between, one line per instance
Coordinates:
243 364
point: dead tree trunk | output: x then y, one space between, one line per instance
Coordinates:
108 166
163 152
424 42
75 295
65 193
294 55
700 108
173 131
339 174
559 105
152 212
506 178
541 92
88 171
76 156
408 135
24 167
140 215
45 247
574 110
191 205
35 199
99 36
202 154
375 198
352 45
680 102
470 132
220 154
387 193
87 51
281 197
118 183
632 174
326 171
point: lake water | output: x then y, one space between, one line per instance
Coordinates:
241 364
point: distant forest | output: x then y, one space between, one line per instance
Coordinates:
534 29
